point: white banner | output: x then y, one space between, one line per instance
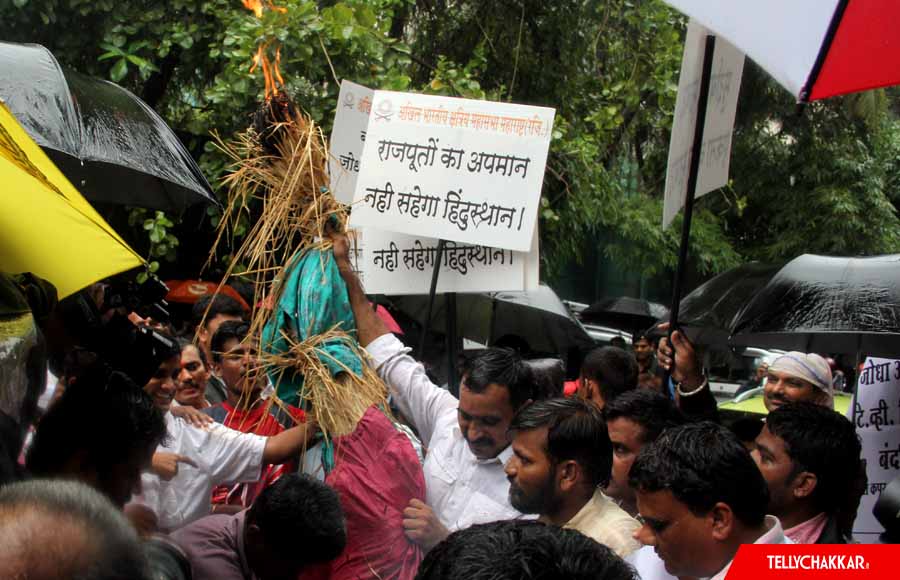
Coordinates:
457 169
877 417
715 154
392 263
347 138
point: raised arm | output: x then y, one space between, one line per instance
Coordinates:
368 324
420 400
287 444
692 393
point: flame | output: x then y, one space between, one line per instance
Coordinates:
271 70
255 5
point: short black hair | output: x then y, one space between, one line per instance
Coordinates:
183 343
653 412
501 366
228 330
703 464
107 416
821 441
614 369
114 550
217 304
300 511
517 549
575 431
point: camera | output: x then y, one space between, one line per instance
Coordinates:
102 325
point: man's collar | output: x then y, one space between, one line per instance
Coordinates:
501 457
505 455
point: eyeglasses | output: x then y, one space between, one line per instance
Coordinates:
658 526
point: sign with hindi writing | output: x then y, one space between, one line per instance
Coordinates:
456 169
392 263
715 154
348 135
876 411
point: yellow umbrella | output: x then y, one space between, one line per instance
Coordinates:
46 226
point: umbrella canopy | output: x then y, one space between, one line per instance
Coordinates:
46 226
538 317
707 313
827 305
108 142
814 48
624 312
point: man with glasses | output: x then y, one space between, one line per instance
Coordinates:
700 496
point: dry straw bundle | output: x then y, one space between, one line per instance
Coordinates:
281 165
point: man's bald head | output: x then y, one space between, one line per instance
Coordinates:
64 529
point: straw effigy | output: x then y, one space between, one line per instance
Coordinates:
281 164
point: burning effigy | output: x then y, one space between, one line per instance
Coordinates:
306 331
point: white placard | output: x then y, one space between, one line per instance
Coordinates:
396 264
715 154
348 136
877 416
462 170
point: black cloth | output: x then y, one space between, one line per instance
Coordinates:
215 390
831 534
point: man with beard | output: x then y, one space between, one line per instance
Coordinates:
700 496
467 438
810 457
561 460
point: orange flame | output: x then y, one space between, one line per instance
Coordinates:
255 5
271 71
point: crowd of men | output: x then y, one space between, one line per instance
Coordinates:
195 471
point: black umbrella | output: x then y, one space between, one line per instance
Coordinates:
625 313
538 317
109 143
707 313
827 305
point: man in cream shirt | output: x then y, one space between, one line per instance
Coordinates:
561 459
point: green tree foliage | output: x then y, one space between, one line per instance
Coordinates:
826 181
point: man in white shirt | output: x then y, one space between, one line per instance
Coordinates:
700 496
467 439
208 456
561 458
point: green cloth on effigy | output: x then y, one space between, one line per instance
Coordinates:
313 301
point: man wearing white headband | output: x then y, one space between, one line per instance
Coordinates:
798 376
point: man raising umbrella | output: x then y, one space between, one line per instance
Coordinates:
792 378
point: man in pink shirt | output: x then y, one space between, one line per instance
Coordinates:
810 458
